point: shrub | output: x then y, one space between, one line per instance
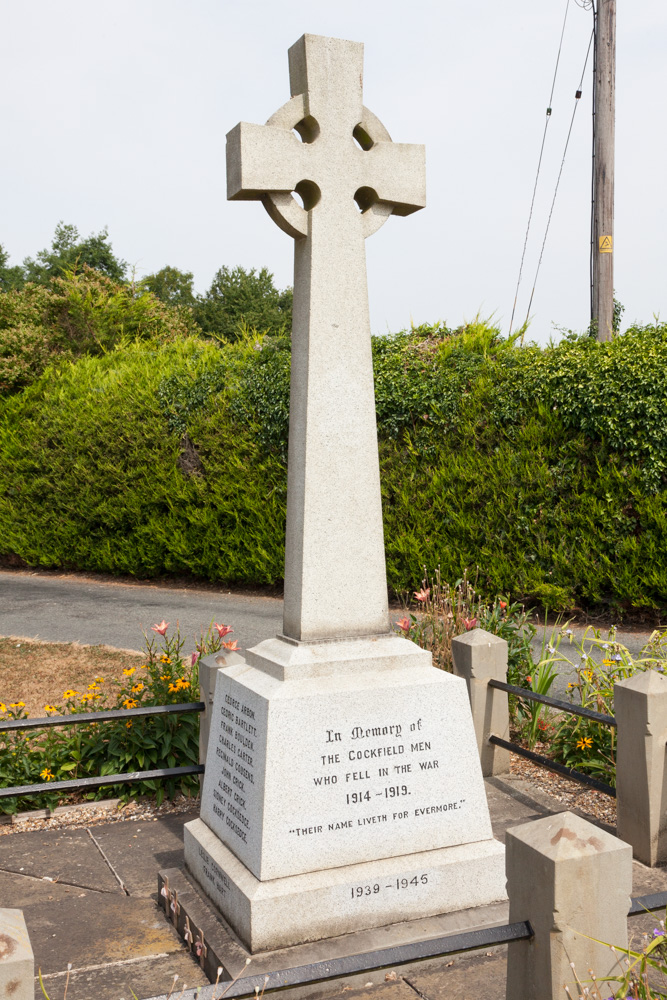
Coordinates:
168 456
81 313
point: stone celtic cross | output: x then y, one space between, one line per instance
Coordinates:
340 160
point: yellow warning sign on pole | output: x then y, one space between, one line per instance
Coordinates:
606 244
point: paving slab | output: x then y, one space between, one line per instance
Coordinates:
117 981
70 856
479 977
137 851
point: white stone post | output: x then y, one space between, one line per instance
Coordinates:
480 657
572 882
17 963
640 707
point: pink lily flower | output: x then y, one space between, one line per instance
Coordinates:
469 623
161 628
422 595
232 645
404 624
223 630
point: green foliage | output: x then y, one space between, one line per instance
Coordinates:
542 467
69 252
238 298
598 662
117 746
91 475
80 313
171 286
10 277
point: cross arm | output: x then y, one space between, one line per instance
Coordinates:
261 158
397 173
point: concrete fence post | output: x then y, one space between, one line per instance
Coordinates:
17 963
208 671
572 882
480 657
640 707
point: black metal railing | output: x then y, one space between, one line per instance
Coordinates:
85 718
386 958
538 758
564 706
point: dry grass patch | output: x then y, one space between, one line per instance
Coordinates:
38 672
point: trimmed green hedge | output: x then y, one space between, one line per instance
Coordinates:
544 467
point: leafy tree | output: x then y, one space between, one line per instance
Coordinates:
69 252
171 286
79 314
10 277
238 298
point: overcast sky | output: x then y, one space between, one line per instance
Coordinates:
115 114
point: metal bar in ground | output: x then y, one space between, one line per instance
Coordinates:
98 782
83 718
654 901
564 706
569 772
366 962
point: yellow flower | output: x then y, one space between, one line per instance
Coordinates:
138 687
69 693
17 704
167 660
173 688
3 708
85 698
163 659
50 708
99 680
128 671
608 663
130 703
144 666
183 683
128 724
164 677
46 774
92 687
585 743
588 674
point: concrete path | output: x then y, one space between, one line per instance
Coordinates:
71 608
89 897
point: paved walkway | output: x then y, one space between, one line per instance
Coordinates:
90 898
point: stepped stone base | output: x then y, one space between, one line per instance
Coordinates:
289 911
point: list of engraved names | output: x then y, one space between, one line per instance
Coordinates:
236 751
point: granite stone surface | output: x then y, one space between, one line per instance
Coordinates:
331 771
288 911
327 147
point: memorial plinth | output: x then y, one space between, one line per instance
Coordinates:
343 787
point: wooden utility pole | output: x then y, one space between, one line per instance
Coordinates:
602 299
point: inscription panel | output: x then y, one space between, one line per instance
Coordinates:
347 776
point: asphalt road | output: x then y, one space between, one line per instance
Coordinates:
76 609
69 608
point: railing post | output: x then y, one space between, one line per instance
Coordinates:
640 707
208 671
17 963
572 882
480 657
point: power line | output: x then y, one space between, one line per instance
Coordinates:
539 162
560 172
